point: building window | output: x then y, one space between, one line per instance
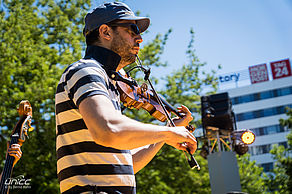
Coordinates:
280 110
257 96
283 144
247 98
266 95
271 130
258 113
269 112
267 167
261 149
264 149
248 115
262 113
262 95
286 91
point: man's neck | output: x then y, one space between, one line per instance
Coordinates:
106 57
121 65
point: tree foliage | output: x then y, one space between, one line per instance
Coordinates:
251 176
37 39
280 180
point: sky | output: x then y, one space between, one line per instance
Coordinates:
234 34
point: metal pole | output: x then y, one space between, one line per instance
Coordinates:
218 141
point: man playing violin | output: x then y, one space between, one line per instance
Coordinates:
98 148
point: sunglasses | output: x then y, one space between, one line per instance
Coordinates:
133 27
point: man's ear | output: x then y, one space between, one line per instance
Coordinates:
105 32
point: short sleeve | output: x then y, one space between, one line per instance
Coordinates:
86 80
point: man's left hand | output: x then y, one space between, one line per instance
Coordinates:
186 119
15 151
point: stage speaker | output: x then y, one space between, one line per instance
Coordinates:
217 112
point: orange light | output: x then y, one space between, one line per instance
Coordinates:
248 137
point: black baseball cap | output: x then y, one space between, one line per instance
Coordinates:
108 12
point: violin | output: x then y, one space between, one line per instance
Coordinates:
134 96
18 136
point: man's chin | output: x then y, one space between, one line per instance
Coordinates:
129 60
132 58
135 52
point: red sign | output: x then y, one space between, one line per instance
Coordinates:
281 69
258 73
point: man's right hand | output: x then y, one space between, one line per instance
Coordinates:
180 138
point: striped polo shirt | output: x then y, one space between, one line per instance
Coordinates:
83 165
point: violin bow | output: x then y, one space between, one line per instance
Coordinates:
192 161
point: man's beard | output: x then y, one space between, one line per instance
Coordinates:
123 48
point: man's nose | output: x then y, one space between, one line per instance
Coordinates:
139 39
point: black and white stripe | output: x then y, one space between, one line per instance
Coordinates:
81 163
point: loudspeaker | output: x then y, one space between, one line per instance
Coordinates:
217 111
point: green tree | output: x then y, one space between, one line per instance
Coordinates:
251 176
37 39
280 180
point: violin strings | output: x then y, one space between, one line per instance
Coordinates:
157 97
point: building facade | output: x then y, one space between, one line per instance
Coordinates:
259 107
